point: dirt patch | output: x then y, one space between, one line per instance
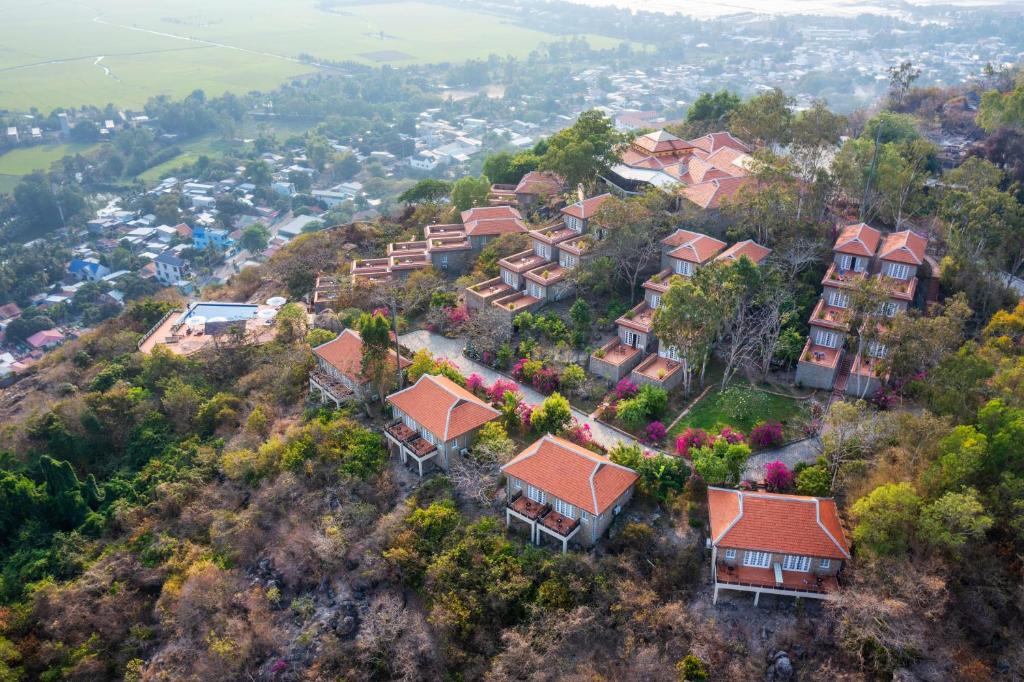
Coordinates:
386 56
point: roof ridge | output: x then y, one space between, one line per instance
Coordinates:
817 517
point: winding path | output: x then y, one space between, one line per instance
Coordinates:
451 349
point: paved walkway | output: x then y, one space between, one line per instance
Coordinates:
443 347
806 450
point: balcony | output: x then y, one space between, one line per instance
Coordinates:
541 518
522 261
554 235
765 580
616 353
407 247
547 274
517 302
843 279
900 289
330 387
658 370
820 355
524 506
639 318
579 246
831 317
484 293
659 282
867 367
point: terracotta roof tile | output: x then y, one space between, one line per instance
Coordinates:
768 522
345 354
749 248
490 213
586 208
859 239
660 142
572 473
693 246
443 407
712 142
492 226
712 193
904 247
540 182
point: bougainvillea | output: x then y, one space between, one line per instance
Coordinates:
625 389
475 382
525 412
499 388
691 438
777 476
579 433
456 316
545 380
731 435
766 435
656 432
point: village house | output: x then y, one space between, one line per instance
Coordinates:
684 251
768 543
435 420
860 252
565 491
338 376
537 190
484 224
444 247
171 269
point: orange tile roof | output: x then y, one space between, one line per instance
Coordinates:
540 182
661 141
490 213
572 473
712 193
712 142
693 246
492 226
749 248
345 354
443 407
586 208
769 522
858 240
904 247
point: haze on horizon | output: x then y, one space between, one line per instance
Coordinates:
708 9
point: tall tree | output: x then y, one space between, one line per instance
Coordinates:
375 331
765 119
469 192
584 150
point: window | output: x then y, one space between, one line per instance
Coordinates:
542 250
898 270
684 267
824 563
655 301
877 350
757 559
535 290
730 554
826 338
838 299
796 563
574 223
890 309
535 494
633 339
564 508
508 278
845 262
518 484
444 261
568 260
670 353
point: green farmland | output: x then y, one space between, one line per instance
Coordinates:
62 53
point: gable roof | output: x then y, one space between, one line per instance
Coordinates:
345 354
540 182
711 193
749 248
660 142
587 208
859 239
694 247
490 213
904 247
44 338
492 226
770 522
572 473
170 259
712 142
443 407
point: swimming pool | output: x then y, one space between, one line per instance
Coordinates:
232 312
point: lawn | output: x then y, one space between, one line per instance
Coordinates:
24 160
64 54
741 407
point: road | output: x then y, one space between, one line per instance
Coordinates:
451 349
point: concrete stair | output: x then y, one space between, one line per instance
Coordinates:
843 377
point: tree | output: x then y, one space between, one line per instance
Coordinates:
661 476
634 227
44 206
814 481
711 112
580 315
1002 110
375 331
918 343
167 209
573 377
886 518
318 337
953 520
476 476
721 462
468 192
582 151
259 173
692 669
867 301
900 79
255 238
426 190
551 416
764 119
291 323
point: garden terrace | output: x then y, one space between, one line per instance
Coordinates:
614 360
577 247
556 234
451 243
640 318
865 367
820 355
522 261
371 269
516 302
547 274
502 195
409 261
618 353
792 581
825 315
901 289
844 279
658 370
406 247
659 282
483 293
447 230
524 506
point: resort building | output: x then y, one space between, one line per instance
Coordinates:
537 191
768 543
435 420
338 376
205 324
565 491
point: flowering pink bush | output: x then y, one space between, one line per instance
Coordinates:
579 433
777 476
625 389
499 388
656 432
766 435
525 411
731 435
545 380
475 382
456 316
691 438
382 311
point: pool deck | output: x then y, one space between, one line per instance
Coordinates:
179 339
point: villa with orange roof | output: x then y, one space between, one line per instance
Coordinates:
536 190
860 251
769 543
338 375
565 491
435 420
749 248
706 171
684 251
